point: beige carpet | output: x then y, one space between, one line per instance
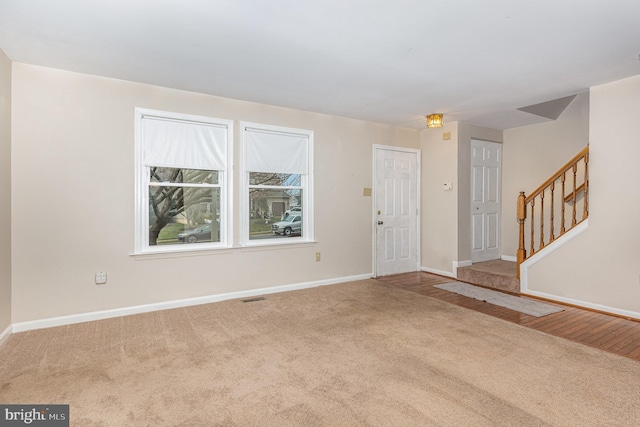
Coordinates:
359 353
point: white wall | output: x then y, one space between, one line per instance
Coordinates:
446 215
533 153
5 192
72 171
601 266
439 221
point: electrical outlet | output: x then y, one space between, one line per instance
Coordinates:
317 256
101 278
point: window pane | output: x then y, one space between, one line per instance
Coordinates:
184 176
274 213
279 179
179 215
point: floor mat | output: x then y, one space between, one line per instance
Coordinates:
523 305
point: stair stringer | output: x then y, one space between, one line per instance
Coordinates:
545 252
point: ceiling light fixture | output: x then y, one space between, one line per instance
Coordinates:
434 120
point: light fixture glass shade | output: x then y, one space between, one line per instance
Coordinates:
434 120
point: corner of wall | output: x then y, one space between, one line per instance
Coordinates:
5 197
446 158
439 230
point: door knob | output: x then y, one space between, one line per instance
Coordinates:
380 222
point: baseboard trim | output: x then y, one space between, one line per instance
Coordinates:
6 334
438 272
127 311
509 258
584 304
459 264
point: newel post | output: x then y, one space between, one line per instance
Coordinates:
522 214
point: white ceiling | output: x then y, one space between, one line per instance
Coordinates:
389 61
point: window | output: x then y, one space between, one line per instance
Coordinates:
181 174
277 184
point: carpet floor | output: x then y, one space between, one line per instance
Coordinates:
359 353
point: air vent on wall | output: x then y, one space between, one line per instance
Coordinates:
254 299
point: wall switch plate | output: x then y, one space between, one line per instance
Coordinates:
317 256
101 278
366 191
446 135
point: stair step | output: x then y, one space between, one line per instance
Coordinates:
496 274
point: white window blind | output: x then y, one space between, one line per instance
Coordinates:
276 152
183 144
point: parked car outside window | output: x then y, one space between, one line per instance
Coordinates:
201 233
288 226
295 210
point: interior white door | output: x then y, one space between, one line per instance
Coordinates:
396 211
486 183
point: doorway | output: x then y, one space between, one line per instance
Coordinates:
486 200
396 210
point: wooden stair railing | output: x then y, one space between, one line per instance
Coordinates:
573 180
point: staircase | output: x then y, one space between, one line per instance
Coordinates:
567 205
554 208
496 274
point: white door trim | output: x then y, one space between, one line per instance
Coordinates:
374 217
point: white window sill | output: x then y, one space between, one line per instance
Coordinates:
273 245
142 256
179 253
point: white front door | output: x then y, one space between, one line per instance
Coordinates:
486 183
396 210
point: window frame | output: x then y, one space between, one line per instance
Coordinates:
143 183
306 186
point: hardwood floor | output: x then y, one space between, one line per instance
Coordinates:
610 333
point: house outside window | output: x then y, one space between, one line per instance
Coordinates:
277 178
181 182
